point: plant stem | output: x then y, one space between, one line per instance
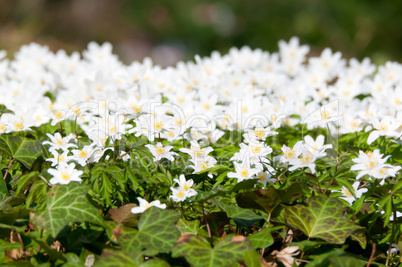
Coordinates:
8 169
392 231
44 179
206 221
266 226
372 254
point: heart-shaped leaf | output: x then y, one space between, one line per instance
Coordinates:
156 230
242 217
267 200
321 218
198 251
262 239
25 150
66 204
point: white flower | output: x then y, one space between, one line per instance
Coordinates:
348 196
243 171
58 158
317 147
57 116
258 134
186 185
306 159
195 151
159 152
386 127
264 177
203 164
144 205
178 194
290 153
58 142
369 163
64 174
83 155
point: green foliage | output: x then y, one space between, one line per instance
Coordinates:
198 251
321 218
24 150
66 204
156 230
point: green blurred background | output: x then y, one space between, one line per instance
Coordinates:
172 30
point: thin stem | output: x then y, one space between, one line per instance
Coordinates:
266 226
44 179
76 135
302 254
8 169
392 231
22 246
206 221
330 183
372 254
61 128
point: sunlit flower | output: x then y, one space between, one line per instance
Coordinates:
64 174
348 196
159 151
144 205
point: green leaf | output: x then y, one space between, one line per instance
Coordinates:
198 251
73 261
24 150
124 216
267 200
253 259
3 189
242 217
321 218
155 263
262 239
24 179
156 230
307 245
336 258
188 227
112 258
66 204
360 236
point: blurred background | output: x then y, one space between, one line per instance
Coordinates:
172 30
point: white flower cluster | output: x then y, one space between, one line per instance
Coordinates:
249 90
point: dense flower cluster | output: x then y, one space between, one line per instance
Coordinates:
247 90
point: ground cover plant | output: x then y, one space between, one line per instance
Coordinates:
244 159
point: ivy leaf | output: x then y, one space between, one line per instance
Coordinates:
124 216
112 258
155 263
262 239
253 259
198 251
156 230
25 150
66 204
321 218
336 257
188 227
267 200
242 217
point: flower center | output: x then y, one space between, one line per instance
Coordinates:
65 176
347 192
325 115
259 133
244 172
57 114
